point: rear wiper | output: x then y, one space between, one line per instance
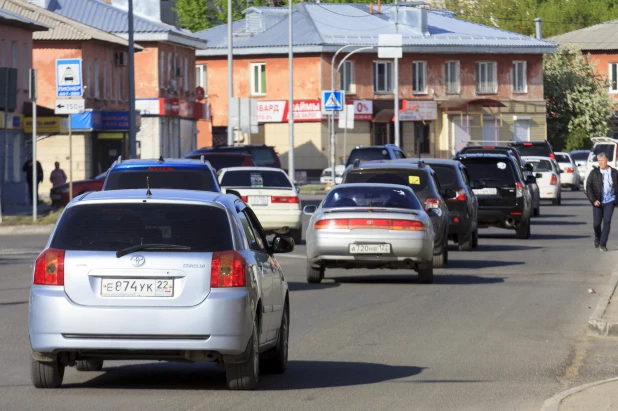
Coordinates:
149 247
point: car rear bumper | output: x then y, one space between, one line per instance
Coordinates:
549 192
273 219
568 179
222 323
501 217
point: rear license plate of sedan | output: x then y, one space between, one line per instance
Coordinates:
258 200
128 287
485 191
370 248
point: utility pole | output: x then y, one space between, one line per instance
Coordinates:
230 72
291 171
33 96
396 80
131 69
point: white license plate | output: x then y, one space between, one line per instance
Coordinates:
132 287
485 191
370 248
258 200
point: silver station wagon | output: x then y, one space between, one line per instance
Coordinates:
164 275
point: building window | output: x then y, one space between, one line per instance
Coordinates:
15 55
613 77
3 53
451 77
89 76
162 69
26 68
186 73
119 86
419 76
382 76
105 92
169 70
113 82
521 129
258 79
520 83
97 73
346 77
486 74
201 77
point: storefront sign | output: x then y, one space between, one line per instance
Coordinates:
46 125
277 111
419 110
101 120
169 107
15 121
363 110
199 93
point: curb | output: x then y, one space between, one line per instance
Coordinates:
26 229
597 326
553 404
313 193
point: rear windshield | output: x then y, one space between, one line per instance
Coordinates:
540 150
494 173
414 178
580 156
163 177
264 157
224 161
363 196
368 154
562 158
540 166
255 179
447 176
112 227
608 149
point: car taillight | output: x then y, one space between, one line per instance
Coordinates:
49 267
552 156
569 170
227 269
519 188
461 196
244 198
283 200
527 144
554 180
407 225
332 224
432 203
370 223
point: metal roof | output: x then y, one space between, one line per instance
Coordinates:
602 36
322 27
112 19
11 18
62 28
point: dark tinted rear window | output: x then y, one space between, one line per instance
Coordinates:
179 179
580 156
541 150
447 176
111 227
414 178
224 161
492 172
608 149
255 179
264 156
368 154
562 158
540 166
363 196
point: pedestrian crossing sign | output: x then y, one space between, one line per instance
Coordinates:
332 100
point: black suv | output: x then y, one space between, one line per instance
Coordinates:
534 148
369 153
503 199
463 209
423 180
263 155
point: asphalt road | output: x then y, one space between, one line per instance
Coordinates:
499 329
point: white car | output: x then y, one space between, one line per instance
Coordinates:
327 175
580 157
270 194
547 178
570 176
606 145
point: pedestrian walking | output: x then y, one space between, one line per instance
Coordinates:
57 175
602 190
27 168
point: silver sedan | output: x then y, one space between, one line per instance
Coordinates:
369 226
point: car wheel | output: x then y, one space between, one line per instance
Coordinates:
245 376
297 236
425 274
554 202
276 361
314 275
466 243
536 212
438 260
46 374
445 252
522 232
560 200
574 187
475 238
91 365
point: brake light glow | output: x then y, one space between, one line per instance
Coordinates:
527 144
489 147
432 203
519 188
461 196
244 198
283 200
552 156
49 267
332 224
227 269
160 169
370 223
569 170
554 180
516 213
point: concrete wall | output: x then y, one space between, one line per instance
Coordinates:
602 61
56 148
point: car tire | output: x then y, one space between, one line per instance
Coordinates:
425 274
575 187
245 376
315 275
276 361
560 200
438 260
297 236
89 365
475 238
46 374
522 232
536 211
466 243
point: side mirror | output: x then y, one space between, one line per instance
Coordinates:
538 175
528 167
310 209
449 193
233 192
282 244
560 171
531 180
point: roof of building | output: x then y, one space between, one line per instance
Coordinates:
112 19
13 19
322 27
602 36
62 28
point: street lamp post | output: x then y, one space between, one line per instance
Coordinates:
291 171
230 72
131 69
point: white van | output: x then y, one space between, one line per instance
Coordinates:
606 145
327 175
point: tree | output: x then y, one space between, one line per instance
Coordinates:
578 103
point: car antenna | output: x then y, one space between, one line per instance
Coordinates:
148 192
161 159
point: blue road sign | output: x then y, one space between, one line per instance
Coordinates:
332 100
69 78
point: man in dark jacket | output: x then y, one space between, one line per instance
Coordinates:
27 168
602 191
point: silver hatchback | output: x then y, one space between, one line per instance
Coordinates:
165 275
367 225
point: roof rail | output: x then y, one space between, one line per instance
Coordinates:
119 160
202 159
603 140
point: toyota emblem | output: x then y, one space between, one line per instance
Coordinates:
138 260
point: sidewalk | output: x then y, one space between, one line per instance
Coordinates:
10 211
